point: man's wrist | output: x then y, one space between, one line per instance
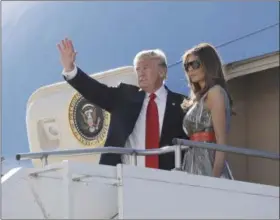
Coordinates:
70 68
70 74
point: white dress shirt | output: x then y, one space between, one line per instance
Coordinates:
137 138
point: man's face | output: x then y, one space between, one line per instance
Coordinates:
150 74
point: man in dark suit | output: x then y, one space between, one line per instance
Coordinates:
144 117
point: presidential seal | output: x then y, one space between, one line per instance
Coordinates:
88 122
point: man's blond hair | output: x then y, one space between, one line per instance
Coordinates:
155 53
152 54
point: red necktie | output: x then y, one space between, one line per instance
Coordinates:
152 132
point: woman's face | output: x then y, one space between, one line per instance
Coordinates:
194 69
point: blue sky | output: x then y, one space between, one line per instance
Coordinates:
108 35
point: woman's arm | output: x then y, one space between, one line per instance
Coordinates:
216 103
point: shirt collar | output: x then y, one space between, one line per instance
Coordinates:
160 93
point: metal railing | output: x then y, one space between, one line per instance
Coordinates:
228 148
101 150
179 145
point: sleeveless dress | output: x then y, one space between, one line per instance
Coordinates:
198 119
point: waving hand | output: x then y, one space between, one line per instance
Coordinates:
67 54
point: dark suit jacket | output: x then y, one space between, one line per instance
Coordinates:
124 104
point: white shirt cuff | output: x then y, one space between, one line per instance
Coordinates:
70 75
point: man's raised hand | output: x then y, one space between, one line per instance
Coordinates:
67 54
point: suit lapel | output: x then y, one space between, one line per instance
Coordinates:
169 112
139 102
136 102
140 96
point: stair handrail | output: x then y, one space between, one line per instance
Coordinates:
228 148
179 145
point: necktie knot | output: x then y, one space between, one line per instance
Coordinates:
153 96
